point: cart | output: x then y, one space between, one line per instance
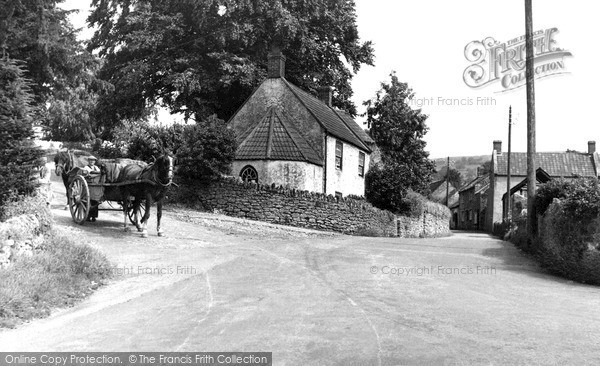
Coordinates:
87 191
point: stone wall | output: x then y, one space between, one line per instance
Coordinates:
426 225
20 235
291 207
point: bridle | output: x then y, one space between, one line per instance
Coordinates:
169 175
62 168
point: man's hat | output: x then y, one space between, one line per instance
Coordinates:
92 157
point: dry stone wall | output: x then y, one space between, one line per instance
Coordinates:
426 225
20 235
292 207
307 209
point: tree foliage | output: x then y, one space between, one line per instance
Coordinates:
398 132
204 57
18 156
453 175
61 70
207 151
204 150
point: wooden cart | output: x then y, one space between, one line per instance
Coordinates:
89 191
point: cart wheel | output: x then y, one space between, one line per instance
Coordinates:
141 211
79 200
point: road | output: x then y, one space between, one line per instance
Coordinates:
314 298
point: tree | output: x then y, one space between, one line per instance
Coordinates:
454 176
204 57
18 156
485 168
398 132
61 70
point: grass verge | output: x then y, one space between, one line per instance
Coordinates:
59 275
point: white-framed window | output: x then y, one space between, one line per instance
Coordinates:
339 154
361 164
249 174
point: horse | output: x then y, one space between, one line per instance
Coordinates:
65 161
154 180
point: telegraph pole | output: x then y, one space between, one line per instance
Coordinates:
508 198
530 119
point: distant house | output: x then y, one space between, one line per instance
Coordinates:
438 192
292 138
570 164
472 204
454 210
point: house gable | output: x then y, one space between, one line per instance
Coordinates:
274 137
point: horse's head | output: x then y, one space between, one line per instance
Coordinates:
164 169
61 162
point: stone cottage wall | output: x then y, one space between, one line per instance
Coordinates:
293 207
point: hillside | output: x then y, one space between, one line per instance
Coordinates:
466 165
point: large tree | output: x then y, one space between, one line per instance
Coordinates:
61 70
204 57
398 132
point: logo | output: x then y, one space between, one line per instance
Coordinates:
504 63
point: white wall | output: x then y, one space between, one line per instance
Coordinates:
291 174
347 179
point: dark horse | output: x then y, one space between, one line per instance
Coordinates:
152 187
65 161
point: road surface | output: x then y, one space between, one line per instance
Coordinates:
222 284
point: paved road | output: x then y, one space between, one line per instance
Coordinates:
316 299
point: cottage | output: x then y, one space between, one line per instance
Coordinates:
472 203
567 165
289 137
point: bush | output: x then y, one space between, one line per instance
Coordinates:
207 151
569 236
385 189
547 192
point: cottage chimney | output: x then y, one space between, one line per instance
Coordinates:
276 67
325 94
498 146
591 147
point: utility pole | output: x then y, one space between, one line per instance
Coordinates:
508 198
448 182
530 119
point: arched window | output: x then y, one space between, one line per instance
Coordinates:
249 174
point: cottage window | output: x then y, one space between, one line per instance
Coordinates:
249 174
361 164
339 154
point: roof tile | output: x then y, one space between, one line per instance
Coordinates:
274 137
329 119
556 164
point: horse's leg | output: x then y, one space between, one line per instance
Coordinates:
126 201
137 203
65 179
159 216
146 216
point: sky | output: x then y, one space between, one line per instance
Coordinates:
424 43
